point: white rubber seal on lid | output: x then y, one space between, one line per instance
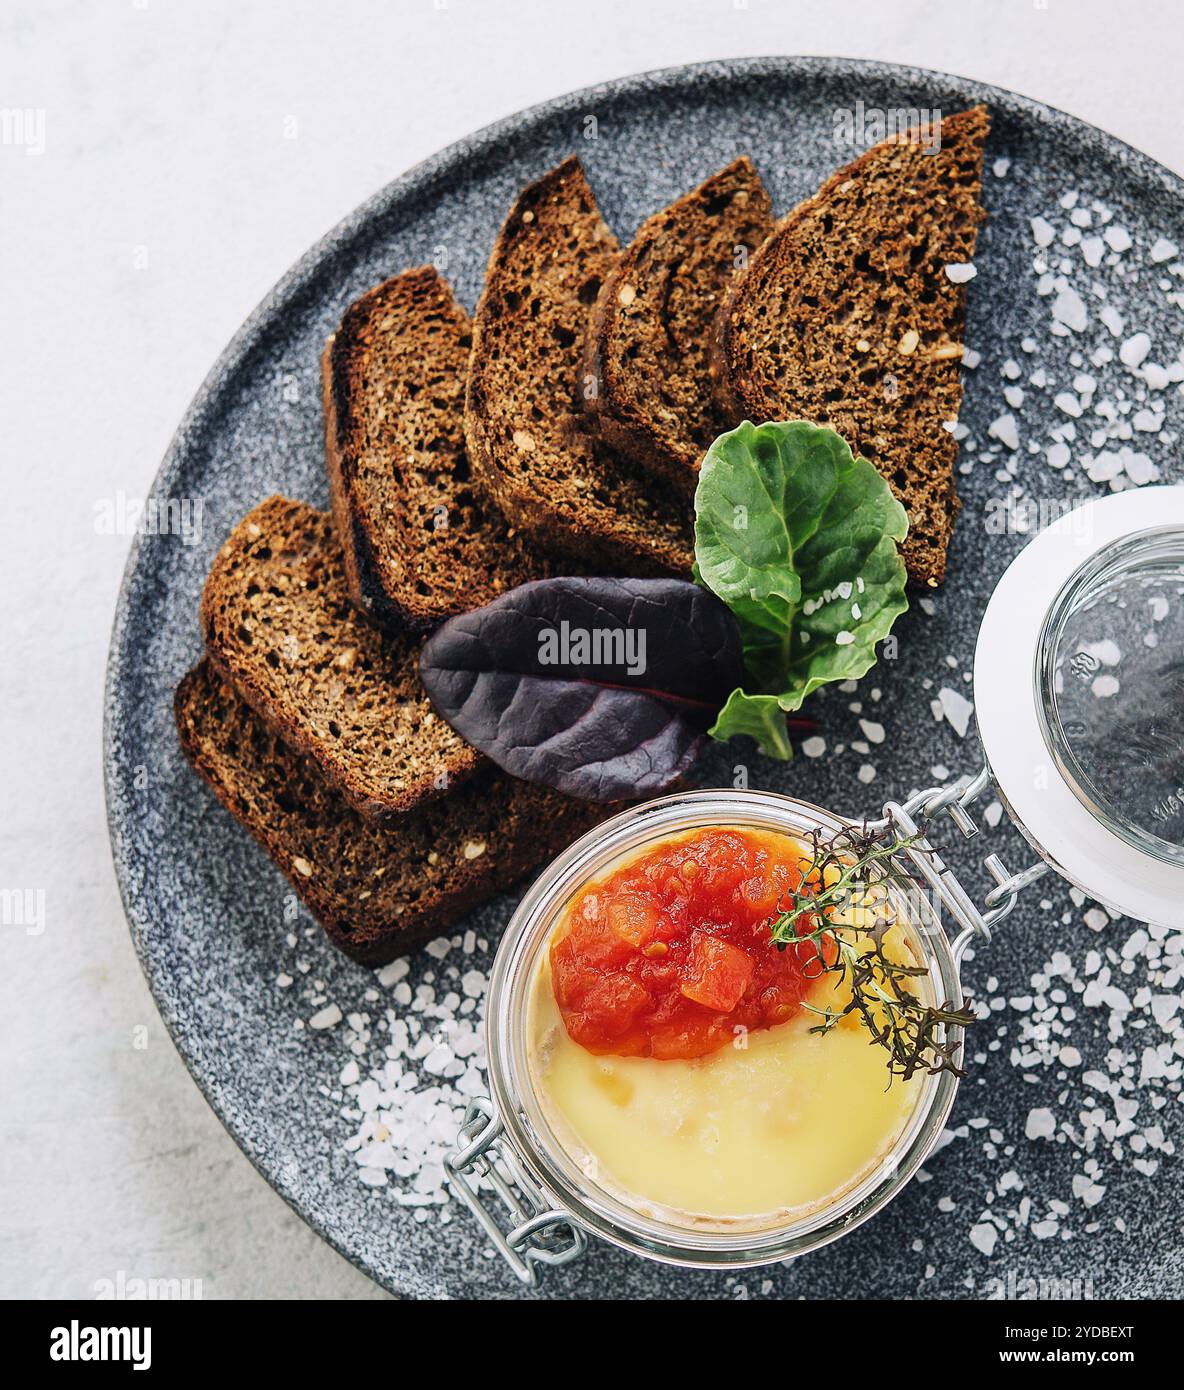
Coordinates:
1079 846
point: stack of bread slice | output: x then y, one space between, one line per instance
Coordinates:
560 431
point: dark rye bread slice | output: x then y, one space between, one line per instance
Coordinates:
420 544
649 340
378 890
279 624
846 317
531 443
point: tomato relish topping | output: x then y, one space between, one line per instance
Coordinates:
672 956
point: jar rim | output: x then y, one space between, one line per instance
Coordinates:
520 1109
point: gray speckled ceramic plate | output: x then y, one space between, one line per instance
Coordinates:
209 915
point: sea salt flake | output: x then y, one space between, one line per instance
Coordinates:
1113 320
1093 249
956 708
983 1237
1004 429
1043 231
1134 350
391 974
1041 1124
1069 308
1139 468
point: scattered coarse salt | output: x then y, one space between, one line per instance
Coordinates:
1043 231
1041 1124
983 1237
1134 350
1163 250
1139 468
1093 250
961 272
328 1017
391 974
1069 308
956 708
1118 239
844 638
814 746
1113 320
1005 430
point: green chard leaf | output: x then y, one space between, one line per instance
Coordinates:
799 538
758 716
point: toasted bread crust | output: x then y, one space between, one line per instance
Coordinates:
278 624
378 891
649 338
529 440
846 317
419 543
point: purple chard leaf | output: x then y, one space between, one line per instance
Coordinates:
602 688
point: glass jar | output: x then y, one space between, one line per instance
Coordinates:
519 1113
1110 675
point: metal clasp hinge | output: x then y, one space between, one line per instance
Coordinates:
911 822
538 1234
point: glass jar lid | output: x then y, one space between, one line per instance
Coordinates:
1110 676
1079 698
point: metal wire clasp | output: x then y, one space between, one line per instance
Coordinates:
539 1234
910 824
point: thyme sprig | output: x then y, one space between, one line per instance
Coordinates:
842 873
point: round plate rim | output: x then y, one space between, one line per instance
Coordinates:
289 287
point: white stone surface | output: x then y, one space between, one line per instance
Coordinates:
167 201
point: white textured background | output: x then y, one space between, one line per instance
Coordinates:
165 143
